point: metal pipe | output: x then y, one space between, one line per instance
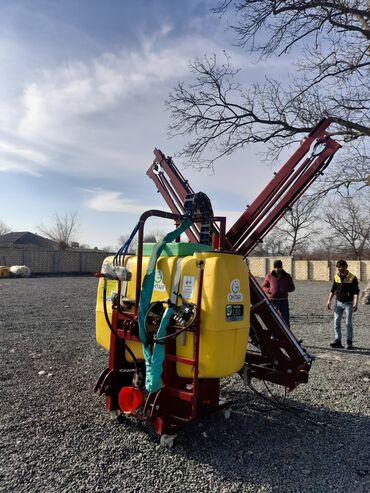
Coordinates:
197 341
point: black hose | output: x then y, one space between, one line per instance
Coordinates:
119 340
122 251
152 339
282 406
170 336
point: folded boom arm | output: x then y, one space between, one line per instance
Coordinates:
278 357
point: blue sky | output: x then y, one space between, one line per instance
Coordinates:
82 91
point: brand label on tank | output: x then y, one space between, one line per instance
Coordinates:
158 281
235 294
187 286
234 313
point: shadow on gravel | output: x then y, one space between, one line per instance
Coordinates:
363 351
297 449
311 316
61 275
272 448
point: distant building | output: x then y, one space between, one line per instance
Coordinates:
25 239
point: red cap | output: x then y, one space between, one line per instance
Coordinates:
129 399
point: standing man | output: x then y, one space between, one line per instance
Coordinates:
277 285
345 287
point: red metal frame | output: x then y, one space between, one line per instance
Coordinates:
180 400
174 190
284 189
280 357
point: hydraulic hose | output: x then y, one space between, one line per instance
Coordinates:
154 360
122 251
119 340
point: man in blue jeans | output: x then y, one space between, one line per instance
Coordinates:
346 290
277 285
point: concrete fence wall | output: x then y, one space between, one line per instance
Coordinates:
312 270
53 262
70 261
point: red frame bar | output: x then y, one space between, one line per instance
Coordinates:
142 220
237 229
174 192
287 196
289 183
197 341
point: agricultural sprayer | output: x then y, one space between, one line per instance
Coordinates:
177 317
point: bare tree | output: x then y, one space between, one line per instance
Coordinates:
349 219
150 237
327 247
62 230
123 238
299 225
272 244
329 40
4 228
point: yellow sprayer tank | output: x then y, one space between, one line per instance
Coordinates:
225 305
103 333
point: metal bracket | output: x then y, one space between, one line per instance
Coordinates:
167 440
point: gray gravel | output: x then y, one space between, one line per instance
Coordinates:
56 437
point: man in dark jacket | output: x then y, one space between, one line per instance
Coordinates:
345 287
277 285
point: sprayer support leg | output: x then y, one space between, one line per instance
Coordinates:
167 440
114 414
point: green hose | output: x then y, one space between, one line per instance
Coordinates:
154 360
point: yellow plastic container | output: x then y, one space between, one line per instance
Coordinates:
224 318
103 332
225 307
163 281
162 291
4 271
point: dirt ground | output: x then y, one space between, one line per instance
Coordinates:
56 436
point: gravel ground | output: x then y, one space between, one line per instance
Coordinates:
56 437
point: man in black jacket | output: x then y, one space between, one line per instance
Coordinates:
345 287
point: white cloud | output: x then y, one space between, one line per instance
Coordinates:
14 167
105 115
87 115
106 112
22 152
20 158
110 201
80 89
